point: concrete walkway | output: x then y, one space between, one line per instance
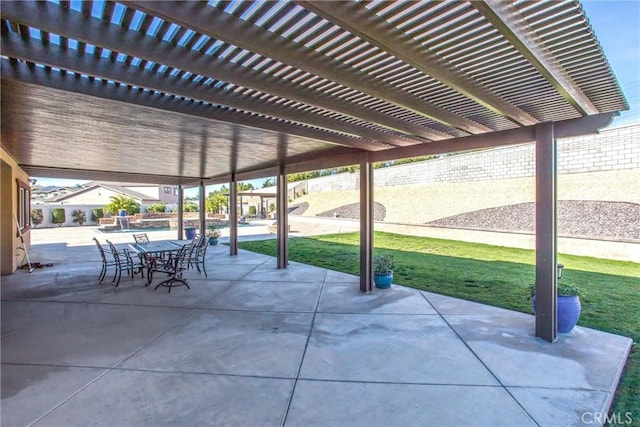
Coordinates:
253 345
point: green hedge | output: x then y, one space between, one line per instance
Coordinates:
157 208
96 214
58 216
36 217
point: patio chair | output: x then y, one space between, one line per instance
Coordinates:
106 262
198 254
174 268
141 238
123 261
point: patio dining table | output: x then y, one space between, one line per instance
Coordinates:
152 252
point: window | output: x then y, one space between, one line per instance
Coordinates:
167 190
24 206
175 191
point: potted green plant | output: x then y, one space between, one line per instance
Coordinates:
213 234
568 303
383 271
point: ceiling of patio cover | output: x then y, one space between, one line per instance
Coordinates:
183 91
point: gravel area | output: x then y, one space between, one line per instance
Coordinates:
576 218
298 209
352 211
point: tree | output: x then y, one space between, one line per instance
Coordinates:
122 202
79 216
245 186
36 217
215 201
271 182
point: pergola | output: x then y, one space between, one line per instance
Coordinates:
196 93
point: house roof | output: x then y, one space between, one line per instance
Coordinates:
115 188
186 91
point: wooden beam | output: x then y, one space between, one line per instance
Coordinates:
563 129
100 175
567 128
368 26
507 20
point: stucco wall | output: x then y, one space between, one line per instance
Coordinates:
10 255
96 196
69 209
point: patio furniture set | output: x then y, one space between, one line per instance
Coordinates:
167 257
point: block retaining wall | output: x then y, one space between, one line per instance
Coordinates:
612 149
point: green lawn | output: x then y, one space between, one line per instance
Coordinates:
492 275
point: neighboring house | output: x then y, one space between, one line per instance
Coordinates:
99 193
43 193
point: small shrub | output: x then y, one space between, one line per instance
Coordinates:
213 232
190 207
563 289
36 217
79 216
157 208
252 210
96 214
58 216
384 264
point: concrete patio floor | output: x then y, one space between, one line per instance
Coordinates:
253 345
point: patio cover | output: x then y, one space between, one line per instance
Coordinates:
218 91
186 91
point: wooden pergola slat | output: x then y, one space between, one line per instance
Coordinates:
211 21
387 37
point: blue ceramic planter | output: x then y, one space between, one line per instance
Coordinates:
383 281
569 309
190 233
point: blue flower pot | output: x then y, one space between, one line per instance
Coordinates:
190 232
569 309
383 281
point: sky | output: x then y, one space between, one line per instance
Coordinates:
617 28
